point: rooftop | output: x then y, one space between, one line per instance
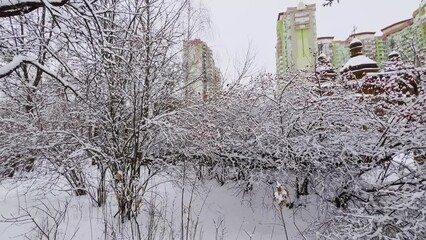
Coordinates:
354 35
194 42
398 26
292 9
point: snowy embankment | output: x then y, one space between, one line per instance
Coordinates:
31 208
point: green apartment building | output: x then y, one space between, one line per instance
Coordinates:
337 51
296 38
407 37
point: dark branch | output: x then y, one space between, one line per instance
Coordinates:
329 2
9 8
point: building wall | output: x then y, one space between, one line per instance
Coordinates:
401 41
404 37
419 27
296 38
382 51
369 43
341 53
408 37
325 46
281 47
202 77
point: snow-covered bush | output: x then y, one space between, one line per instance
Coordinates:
334 148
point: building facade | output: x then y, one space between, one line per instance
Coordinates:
202 78
341 53
296 38
407 37
325 46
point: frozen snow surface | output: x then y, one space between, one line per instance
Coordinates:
393 53
322 55
400 166
219 212
358 60
355 40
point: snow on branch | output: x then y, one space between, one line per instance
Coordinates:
9 8
18 60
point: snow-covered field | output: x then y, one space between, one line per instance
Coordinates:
31 208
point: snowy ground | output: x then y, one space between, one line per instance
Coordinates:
217 212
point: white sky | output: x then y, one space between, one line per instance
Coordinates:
236 24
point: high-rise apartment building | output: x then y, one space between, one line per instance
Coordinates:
296 38
202 77
341 53
407 37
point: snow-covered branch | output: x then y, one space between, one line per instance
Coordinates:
18 60
9 8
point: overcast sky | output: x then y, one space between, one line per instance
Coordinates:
235 24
